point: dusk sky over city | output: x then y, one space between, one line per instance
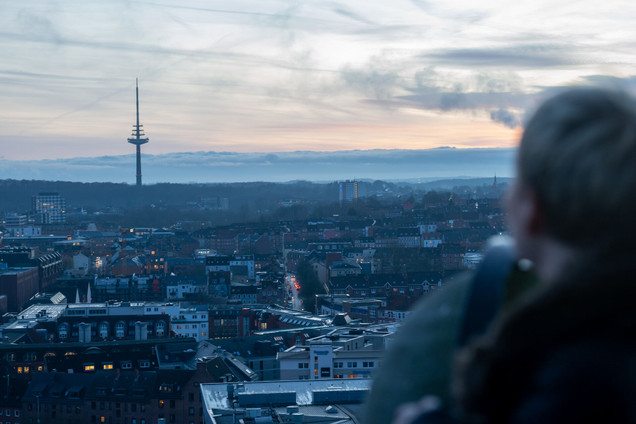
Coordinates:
282 76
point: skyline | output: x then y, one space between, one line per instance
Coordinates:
281 76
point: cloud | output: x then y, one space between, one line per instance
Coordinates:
212 166
517 56
375 83
506 117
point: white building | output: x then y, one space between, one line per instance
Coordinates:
337 355
179 289
238 265
191 322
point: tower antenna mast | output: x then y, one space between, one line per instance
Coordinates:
138 137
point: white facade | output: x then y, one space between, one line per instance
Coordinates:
323 360
237 264
246 261
179 290
25 231
191 322
122 308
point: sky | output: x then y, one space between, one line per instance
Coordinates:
276 76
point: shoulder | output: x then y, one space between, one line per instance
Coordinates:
418 361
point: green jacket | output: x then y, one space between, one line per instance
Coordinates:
420 358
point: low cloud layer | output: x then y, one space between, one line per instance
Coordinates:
207 167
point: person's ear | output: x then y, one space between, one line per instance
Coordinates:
526 219
535 219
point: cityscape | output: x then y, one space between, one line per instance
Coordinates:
104 323
311 174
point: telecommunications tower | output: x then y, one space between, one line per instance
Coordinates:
138 137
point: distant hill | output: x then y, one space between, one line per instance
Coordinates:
15 195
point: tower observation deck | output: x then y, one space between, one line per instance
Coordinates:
138 137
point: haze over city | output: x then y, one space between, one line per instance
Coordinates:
279 76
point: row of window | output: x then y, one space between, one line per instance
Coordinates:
337 364
27 370
7 412
365 364
179 326
133 406
104 330
126 365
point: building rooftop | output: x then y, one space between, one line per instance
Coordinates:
217 397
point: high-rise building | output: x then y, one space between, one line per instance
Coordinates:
348 191
49 208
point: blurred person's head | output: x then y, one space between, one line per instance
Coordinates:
576 177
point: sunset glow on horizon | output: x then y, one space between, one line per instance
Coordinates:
282 76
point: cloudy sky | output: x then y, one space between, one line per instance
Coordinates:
273 76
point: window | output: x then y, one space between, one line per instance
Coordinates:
191 410
104 329
160 327
108 366
120 330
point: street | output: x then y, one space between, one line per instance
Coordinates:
292 288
